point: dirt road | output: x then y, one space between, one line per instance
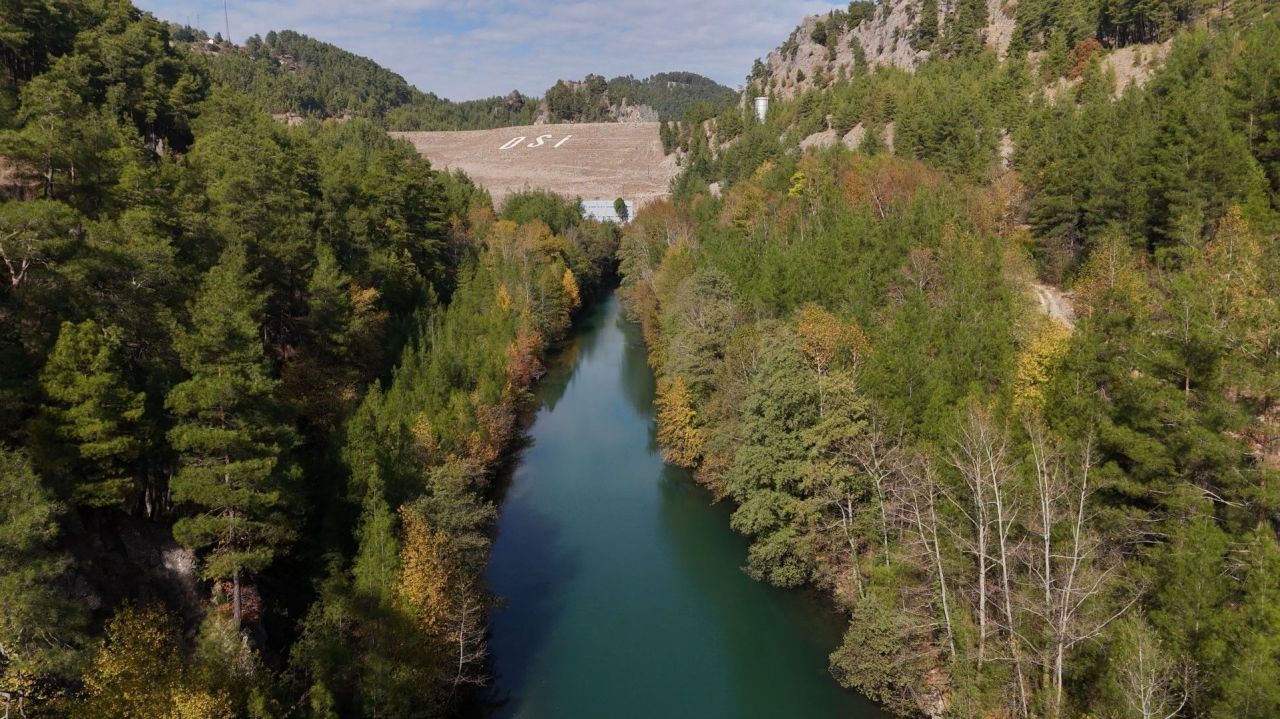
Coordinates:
1055 303
597 161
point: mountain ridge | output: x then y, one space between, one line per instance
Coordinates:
296 77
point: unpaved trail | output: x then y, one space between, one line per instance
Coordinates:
1055 303
594 161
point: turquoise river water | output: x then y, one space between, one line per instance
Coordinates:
621 582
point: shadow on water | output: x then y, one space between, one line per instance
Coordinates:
534 560
636 376
529 555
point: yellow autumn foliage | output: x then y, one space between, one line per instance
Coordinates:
1036 364
570 285
424 571
678 433
826 339
426 441
197 704
139 673
1113 268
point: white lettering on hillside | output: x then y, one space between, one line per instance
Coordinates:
539 141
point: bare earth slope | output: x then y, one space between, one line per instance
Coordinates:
597 161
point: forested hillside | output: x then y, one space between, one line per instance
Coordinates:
289 73
254 384
1021 516
666 96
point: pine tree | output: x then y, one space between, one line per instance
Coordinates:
39 627
92 417
227 432
926 29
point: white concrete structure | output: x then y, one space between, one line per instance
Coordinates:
762 108
602 210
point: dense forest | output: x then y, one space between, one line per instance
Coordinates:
1021 515
255 384
290 73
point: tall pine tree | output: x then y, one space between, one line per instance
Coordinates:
228 432
91 421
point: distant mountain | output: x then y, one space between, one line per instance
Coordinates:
291 74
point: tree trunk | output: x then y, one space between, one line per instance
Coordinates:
235 599
846 522
1002 537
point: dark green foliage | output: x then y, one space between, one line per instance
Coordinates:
1156 164
33 32
228 431
40 627
1115 22
860 10
199 300
819 33
964 28
428 443
92 421
552 210
925 32
870 659
947 124
672 95
777 411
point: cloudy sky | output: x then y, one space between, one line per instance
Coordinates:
465 49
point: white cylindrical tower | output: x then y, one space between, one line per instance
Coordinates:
762 108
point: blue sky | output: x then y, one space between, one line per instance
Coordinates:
464 49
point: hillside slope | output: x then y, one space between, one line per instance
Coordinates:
600 161
292 75
665 96
1028 507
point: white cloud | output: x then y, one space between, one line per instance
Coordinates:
464 49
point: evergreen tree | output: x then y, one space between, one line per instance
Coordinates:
925 32
228 432
769 466
93 418
39 624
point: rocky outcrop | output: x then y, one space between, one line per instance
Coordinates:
121 558
885 38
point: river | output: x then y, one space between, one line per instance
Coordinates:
621 581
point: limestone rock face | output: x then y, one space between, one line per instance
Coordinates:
884 38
